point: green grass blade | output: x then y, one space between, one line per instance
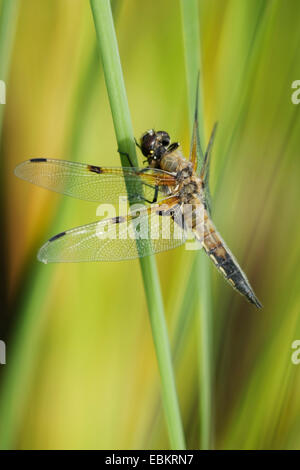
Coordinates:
192 50
191 28
124 133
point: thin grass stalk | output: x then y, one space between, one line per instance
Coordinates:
124 134
180 338
192 47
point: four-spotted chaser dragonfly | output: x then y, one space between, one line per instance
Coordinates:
169 183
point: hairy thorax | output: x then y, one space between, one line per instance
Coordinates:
189 187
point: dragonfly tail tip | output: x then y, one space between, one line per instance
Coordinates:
256 302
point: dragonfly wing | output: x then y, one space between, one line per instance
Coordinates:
136 235
196 153
199 161
94 183
204 172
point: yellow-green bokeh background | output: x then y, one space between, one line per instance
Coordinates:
81 370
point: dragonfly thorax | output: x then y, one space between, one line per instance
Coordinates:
185 173
188 190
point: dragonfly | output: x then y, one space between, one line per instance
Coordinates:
164 188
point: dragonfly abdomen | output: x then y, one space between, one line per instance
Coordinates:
225 262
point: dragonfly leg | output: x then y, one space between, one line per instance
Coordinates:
128 157
143 170
173 147
154 197
142 198
137 144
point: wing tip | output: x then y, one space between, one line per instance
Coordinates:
41 254
17 169
41 259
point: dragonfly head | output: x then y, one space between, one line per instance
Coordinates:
154 145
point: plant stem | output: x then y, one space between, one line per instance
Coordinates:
192 50
191 28
124 133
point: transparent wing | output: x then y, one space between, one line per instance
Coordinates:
94 183
146 231
204 172
196 153
199 161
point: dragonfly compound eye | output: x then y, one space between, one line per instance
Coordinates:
164 138
148 142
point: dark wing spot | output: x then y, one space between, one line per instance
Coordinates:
38 159
166 213
118 220
94 169
57 236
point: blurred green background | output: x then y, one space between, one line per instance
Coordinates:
81 370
